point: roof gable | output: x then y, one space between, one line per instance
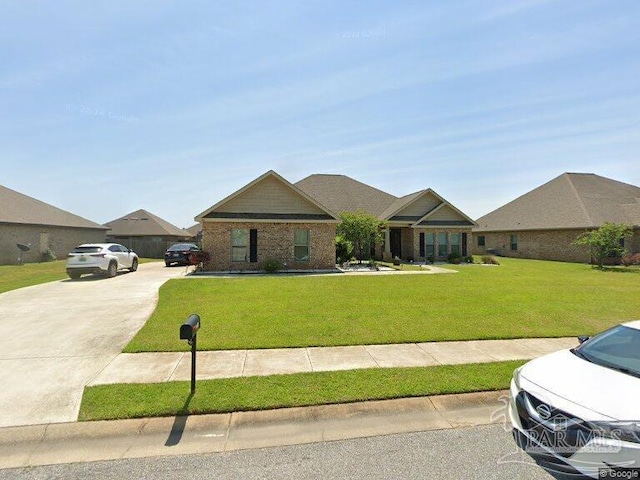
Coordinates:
571 200
143 223
269 197
21 209
344 194
426 208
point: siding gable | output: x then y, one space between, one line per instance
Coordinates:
420 207
270 196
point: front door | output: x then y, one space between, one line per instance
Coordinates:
395 238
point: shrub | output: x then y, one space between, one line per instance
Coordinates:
633 259
48 256
469 259
454 258
490 260
272 265
196 258
431 259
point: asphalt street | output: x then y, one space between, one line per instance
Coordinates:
485 452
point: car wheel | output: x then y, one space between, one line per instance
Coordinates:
167 264
134 265
113 269
74 275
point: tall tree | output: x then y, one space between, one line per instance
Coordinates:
605 241
361 229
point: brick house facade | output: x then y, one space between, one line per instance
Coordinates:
268 219
295 224
543 223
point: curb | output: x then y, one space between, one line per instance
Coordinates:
107 440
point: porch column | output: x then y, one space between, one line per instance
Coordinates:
386 255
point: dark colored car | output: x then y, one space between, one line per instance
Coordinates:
179 253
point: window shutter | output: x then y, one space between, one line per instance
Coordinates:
253 245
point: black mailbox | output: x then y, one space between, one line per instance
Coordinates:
189 329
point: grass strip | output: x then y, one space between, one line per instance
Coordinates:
120 401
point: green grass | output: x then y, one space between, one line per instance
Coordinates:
13 277
517 299
107 402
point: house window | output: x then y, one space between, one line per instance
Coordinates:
429 245
481 240
301 245
514 242
442 244
239 243
454 238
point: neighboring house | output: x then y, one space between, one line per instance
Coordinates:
295 224
145 233
196 231
41 226
543 223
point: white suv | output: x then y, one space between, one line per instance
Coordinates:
104 258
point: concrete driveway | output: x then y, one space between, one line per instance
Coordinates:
56 337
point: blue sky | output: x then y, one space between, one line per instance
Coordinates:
108 107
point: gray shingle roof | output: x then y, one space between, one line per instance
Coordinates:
21 209
340 193
143 223
195 229
571 200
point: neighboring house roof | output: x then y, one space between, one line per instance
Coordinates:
21 209
269 198
195 229
569 201
344 194
142 223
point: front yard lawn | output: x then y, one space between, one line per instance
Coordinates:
519 298
13 277
108 402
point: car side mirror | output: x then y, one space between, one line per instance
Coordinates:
583 338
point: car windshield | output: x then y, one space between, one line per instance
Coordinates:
181 246
90 249
617 348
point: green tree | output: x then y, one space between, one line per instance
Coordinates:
361 229
605 241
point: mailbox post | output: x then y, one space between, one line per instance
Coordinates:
189 332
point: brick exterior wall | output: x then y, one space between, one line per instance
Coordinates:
534 244
275 241
61 240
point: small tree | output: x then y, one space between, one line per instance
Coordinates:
361 229
605 241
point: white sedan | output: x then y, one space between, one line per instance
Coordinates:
581 407
103 258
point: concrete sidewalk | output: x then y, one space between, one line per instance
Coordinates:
165 367
94 441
